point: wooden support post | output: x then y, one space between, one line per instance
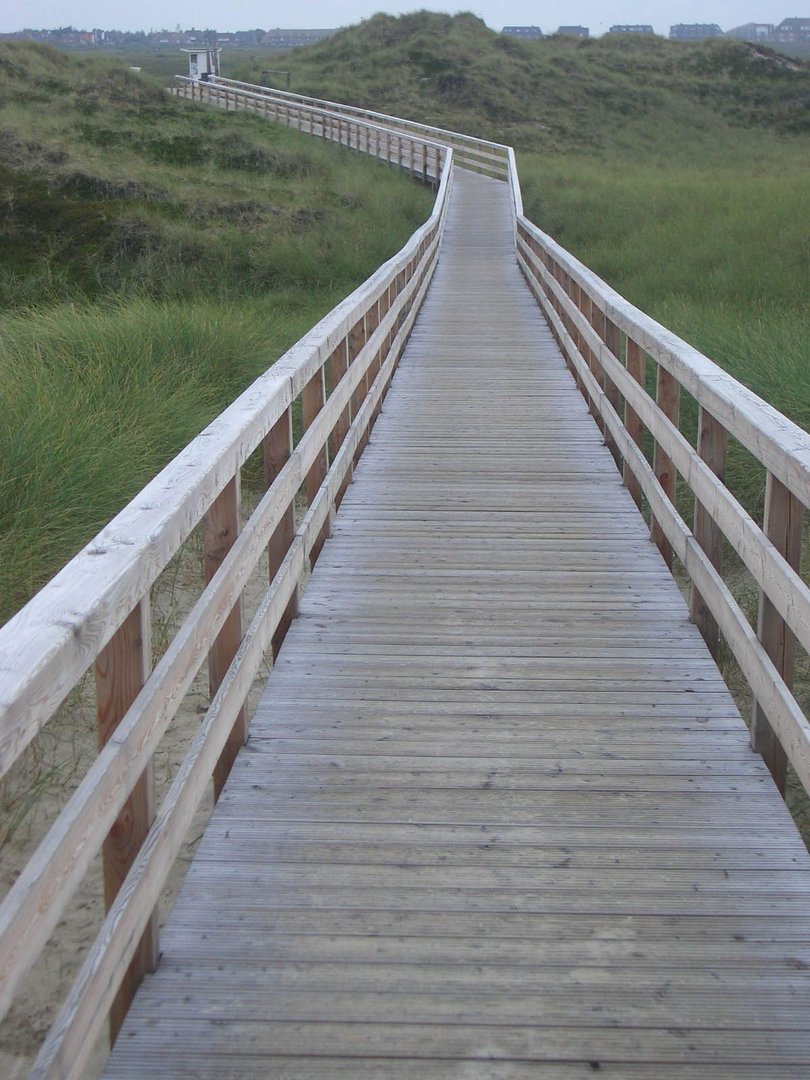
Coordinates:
313 399
220 530
592 314
637 367
278 445
122 668
667 396
337 366
575 294
783 525
711 445
611 337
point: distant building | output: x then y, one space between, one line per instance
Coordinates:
633 28
574 31
792 31
694 31
523 31
294 39
752 32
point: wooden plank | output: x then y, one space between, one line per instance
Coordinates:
121 670
711 445
278 446
313 400
667 398
220 529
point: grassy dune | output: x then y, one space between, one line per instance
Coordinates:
157 256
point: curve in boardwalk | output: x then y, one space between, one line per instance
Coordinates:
498 815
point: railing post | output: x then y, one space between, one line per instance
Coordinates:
667 396
220 530
337 366
711 446
121 670
610 336
278 445
357 340
783 525
636 360
313 399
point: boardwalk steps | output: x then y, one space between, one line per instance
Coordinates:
498 816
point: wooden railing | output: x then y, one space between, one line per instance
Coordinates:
96 613
614 352
352 126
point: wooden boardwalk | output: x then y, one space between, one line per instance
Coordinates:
498 816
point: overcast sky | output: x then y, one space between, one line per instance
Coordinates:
247 14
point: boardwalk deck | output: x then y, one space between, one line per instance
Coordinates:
498 816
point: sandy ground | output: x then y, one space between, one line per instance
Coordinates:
36 790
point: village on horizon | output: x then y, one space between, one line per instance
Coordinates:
791 31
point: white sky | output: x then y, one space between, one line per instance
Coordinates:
247 14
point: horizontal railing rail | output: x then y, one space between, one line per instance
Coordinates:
96 614
299 111
612 349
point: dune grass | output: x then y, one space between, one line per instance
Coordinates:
157 256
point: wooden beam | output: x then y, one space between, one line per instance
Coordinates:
783 525
612 339
667 396
278 445
220 529
637 368
711 446
313 399
121 670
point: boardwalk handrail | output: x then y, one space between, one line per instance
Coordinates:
608 344
305 113
96 611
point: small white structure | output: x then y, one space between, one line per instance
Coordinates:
202 63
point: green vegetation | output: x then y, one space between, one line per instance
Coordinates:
157 256
643 94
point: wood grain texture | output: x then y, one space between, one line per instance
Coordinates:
667 399
220 529
712 442
498 815
122 668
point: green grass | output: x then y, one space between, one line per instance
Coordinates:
157 256
557 94
716 252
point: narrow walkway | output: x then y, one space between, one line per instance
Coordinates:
498 816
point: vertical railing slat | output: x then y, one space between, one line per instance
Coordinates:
278 445
711 446
313 399
121 670
636 360
220 530
667 396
